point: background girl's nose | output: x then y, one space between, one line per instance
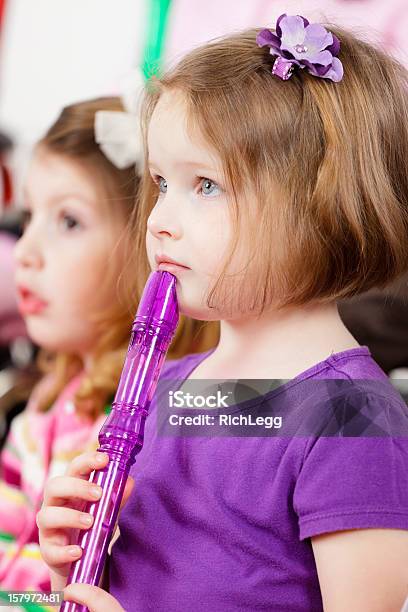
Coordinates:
26 255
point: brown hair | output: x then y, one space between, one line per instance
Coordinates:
327 163
72 135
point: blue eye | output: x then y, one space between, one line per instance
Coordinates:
162 184
208 187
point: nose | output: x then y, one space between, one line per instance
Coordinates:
27 253
164 221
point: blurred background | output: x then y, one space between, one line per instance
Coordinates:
55 52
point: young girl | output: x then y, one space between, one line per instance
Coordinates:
69 259
275 183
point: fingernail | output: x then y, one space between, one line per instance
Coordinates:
101 458
86 519
96 492
74 551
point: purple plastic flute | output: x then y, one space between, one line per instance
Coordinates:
121 435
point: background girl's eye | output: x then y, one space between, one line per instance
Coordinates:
69 222
162 184
209 187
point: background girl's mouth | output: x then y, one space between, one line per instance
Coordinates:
30 304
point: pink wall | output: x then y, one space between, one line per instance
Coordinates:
194 21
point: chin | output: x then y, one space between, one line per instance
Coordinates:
197 311
36 334
44 342
52 340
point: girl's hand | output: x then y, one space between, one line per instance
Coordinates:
96 599
61 515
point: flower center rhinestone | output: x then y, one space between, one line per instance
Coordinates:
301 49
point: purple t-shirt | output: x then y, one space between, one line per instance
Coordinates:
224 523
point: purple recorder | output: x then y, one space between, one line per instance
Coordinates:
122 433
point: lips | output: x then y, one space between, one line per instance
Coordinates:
29 303
167 263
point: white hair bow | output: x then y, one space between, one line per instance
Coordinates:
118 133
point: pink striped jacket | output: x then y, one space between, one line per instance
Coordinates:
39 446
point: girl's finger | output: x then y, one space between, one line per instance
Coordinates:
61 488
58 556
53 517
82 465
128 490
95 598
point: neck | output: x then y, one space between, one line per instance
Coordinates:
280 344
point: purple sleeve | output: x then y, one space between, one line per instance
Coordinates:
353 482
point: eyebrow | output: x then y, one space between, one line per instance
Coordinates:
64 196
187 163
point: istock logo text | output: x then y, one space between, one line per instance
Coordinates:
179 399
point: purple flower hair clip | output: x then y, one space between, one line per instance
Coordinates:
300 43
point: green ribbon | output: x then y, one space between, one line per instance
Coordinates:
155 36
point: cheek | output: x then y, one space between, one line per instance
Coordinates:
60 331
213 252
84 278
85 287
215 238
150 249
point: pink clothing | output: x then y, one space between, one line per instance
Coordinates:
40 445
